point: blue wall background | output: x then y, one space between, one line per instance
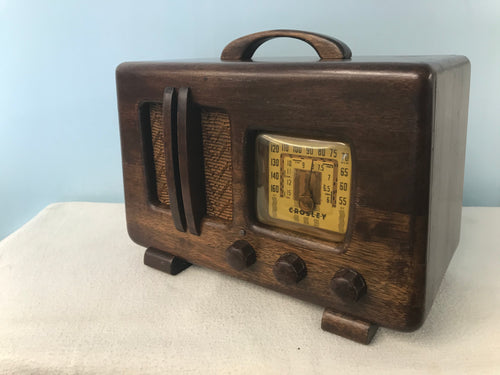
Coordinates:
59 137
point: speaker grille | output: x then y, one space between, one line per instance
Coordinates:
216 133
158 142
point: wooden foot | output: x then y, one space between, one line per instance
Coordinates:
348 327
165 262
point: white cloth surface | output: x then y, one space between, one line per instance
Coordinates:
75 297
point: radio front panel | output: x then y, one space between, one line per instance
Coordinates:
376 239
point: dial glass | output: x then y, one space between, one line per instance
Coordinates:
304 185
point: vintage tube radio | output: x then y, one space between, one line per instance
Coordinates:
338 180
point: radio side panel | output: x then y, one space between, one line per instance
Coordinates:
447 169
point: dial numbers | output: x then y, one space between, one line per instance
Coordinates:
308 183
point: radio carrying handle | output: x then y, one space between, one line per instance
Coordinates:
328 48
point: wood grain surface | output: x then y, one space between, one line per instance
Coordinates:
392 111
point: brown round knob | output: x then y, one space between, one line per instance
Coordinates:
240 255
348 285
289 269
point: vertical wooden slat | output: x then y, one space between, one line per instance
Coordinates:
190 150
171 159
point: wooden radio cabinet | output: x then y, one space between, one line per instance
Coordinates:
338 180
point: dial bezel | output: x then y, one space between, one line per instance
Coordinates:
298 224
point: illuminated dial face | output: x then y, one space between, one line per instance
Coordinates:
304 185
